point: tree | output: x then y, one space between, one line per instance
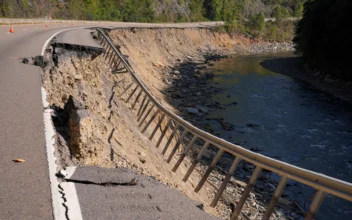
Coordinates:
257 22
322 38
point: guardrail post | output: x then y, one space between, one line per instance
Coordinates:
127 88
185 132
136 100
150 120
170 139
130 96
200 155
157 126
224 183
146 115
144 108
278 192
107 52
142 104
246 192
163 133
208 171
112 57
316 203
183 155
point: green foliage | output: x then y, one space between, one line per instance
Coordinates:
243 16
322 37
257 22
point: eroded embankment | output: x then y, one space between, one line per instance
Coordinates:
96 127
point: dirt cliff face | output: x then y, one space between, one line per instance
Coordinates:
95 127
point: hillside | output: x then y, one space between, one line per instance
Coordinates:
150 10
242 16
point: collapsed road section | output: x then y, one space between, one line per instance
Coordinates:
105 116
93 129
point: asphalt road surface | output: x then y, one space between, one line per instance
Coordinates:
25 187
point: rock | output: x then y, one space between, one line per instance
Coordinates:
176 72
142 159
40 61
192 110
209 75
25 61
201 67
226 125
240 183
158 64
78 77
285 201
202 109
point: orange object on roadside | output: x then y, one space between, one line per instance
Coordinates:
11 29
46 25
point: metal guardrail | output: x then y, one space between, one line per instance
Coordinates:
322 183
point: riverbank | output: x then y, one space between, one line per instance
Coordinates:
295 68
173 66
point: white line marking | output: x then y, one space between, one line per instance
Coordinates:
69 189
58 209
74 209
70 171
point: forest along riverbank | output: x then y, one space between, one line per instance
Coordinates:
237 99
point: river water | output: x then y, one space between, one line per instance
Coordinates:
286 119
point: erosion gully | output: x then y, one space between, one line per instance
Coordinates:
284 118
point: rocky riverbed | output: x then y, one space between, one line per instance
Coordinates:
190 93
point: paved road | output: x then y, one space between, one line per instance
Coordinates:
122 194
25 187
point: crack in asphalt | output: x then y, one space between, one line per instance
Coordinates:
61 191
133 182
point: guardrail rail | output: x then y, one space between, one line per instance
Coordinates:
322 183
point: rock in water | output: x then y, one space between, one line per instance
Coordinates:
192 110
226 125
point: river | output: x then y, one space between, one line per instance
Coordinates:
286 119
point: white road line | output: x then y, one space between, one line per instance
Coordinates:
69 189
74 209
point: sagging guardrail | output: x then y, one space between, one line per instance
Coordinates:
322 183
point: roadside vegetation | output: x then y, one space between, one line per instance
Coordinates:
241 16
322 37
